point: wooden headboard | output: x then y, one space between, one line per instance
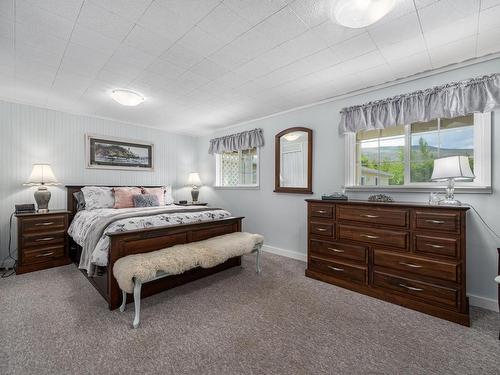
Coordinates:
71 201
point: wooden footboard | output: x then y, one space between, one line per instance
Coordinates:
146 240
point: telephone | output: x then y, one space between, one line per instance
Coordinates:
334 197
25 208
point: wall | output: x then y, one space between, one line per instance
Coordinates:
281 218
33 135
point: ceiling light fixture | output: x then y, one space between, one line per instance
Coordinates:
128 98
360 13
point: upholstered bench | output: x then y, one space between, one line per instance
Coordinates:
134 270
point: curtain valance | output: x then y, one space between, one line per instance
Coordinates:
451 100
235 142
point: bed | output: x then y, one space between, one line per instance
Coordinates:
135 241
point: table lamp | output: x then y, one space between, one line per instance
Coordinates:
42 176
195 182
451 169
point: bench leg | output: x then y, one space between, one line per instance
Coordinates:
124 301
137 303
259 249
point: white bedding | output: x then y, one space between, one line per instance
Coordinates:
86 221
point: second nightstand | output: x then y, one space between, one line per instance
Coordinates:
42 240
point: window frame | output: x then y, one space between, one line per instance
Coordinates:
218 176
482 163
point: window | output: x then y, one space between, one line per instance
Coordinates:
238 168
403 156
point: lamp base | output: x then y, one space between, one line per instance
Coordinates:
449 202
195 194
42 198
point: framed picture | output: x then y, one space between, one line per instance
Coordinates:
116 153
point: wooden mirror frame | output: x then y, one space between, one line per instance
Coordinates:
277 162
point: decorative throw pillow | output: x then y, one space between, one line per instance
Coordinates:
159 192
80 200
169 199
98 197
124 196
145 200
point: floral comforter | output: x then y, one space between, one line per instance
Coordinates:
93 226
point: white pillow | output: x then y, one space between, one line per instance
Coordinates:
98 197
169 199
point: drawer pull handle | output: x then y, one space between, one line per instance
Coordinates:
321 212
44 224
321 229
336 269
411 288
336 250
368 236
435 221
369 216
45 254
411 265
435 246
45 239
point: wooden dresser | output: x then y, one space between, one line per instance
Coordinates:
410 254
42 240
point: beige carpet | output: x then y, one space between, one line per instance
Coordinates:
235 322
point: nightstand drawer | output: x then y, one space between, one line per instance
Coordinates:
43 254
44 223
43 239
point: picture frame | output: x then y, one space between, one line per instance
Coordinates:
104 152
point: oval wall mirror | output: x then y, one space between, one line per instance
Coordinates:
293 161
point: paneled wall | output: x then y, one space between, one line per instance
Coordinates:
33 135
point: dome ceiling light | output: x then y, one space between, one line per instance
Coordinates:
128 98
360 13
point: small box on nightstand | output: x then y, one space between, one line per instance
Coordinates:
42 240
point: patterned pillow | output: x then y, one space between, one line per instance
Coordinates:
98 197
159 192
124 196
80 200
145 200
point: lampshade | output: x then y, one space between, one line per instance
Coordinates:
42 175
194 179
456 167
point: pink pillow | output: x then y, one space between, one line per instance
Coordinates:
159 192
124 196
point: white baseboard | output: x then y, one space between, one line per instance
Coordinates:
478 301
483 302
285 253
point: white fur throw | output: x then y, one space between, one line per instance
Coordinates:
180 258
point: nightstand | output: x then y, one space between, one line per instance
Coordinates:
42 240
191 204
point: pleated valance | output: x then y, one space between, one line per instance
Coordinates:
451 100
235 142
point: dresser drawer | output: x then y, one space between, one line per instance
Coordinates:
339 251
374 236
43 254
321 210
430 293
449 222
323 229
442 246
387 216
418 266
43 223
36 240
357 274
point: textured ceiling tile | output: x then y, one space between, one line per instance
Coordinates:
459 29
253 12
91 39
182 56
407 27
356 46
404 48
446 12
487 42
333 33
282 26
148 41
485 4
130 9
7 9
450 53
202 42
312 12
68 9
489 19
102 21
40 21
209 69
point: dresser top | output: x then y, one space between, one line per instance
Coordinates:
390 204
